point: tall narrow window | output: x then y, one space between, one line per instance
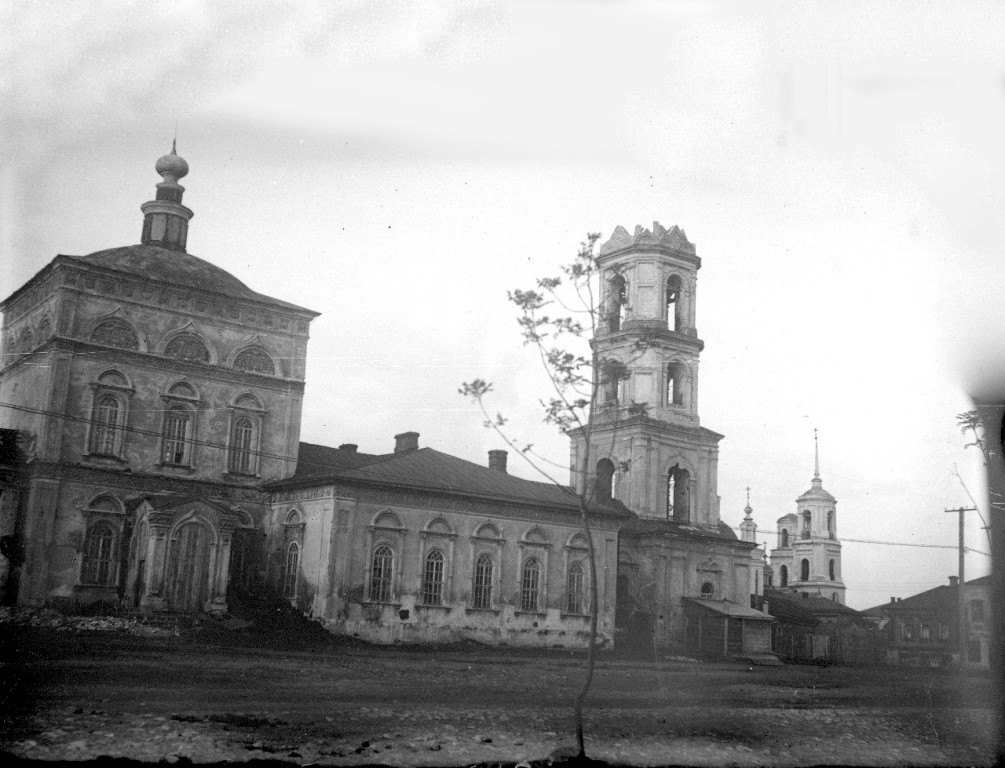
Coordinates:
679 494
530 584
292 570
830 523
432 579
104 426
241 436
612 378
605 478
977 611
175 436
483 582
673 303
617 303
804 570
785 537
783 576
831 570
380 574
574 602
675 384
98 555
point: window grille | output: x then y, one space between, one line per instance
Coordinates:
175 434
98 555
187 347
105 426
574 589
432 579
241 445
380 574
483 582
254 360
530 584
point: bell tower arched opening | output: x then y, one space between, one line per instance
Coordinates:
674 313
679 494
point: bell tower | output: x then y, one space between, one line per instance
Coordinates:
648 448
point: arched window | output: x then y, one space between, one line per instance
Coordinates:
241 433
530 584
115 333
254 360
176 436
678 494
381 574
804 570
605 478
831 570
105 426
834 596
98 563
44 330
432 579
673 308
187 347
785 537
27 341
574 589
807 523
675 384
292 570
783 576
707 590
483 582
618 303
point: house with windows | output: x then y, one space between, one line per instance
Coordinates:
416 545
926 630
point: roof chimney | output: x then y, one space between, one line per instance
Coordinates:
349 447
954 580
497 460
406 442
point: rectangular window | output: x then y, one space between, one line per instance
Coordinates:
574 602
924 633
240 446
905 631
175 432
977 610
483 582
943 631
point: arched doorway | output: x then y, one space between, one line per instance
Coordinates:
188 567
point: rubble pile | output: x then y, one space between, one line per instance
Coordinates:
51 619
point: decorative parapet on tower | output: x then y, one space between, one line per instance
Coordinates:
670 238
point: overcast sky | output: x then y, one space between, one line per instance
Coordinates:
398 166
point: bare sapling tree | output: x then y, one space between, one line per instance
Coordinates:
582 388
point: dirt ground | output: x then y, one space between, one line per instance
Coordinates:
207 694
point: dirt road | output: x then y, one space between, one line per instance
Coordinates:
81 695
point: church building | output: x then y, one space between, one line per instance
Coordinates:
157 400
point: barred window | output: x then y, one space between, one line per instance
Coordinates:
175 435
530 584
104 429
483 582
241 445
432 579
574 589
292 570
98 555
380 574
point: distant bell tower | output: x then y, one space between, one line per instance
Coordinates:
648 448
808 555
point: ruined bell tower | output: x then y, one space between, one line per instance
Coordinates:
648 448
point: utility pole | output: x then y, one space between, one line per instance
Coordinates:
961 627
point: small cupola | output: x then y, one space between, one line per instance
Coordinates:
165 219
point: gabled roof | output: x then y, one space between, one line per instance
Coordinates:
941 599
427 469
726 608
815 606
